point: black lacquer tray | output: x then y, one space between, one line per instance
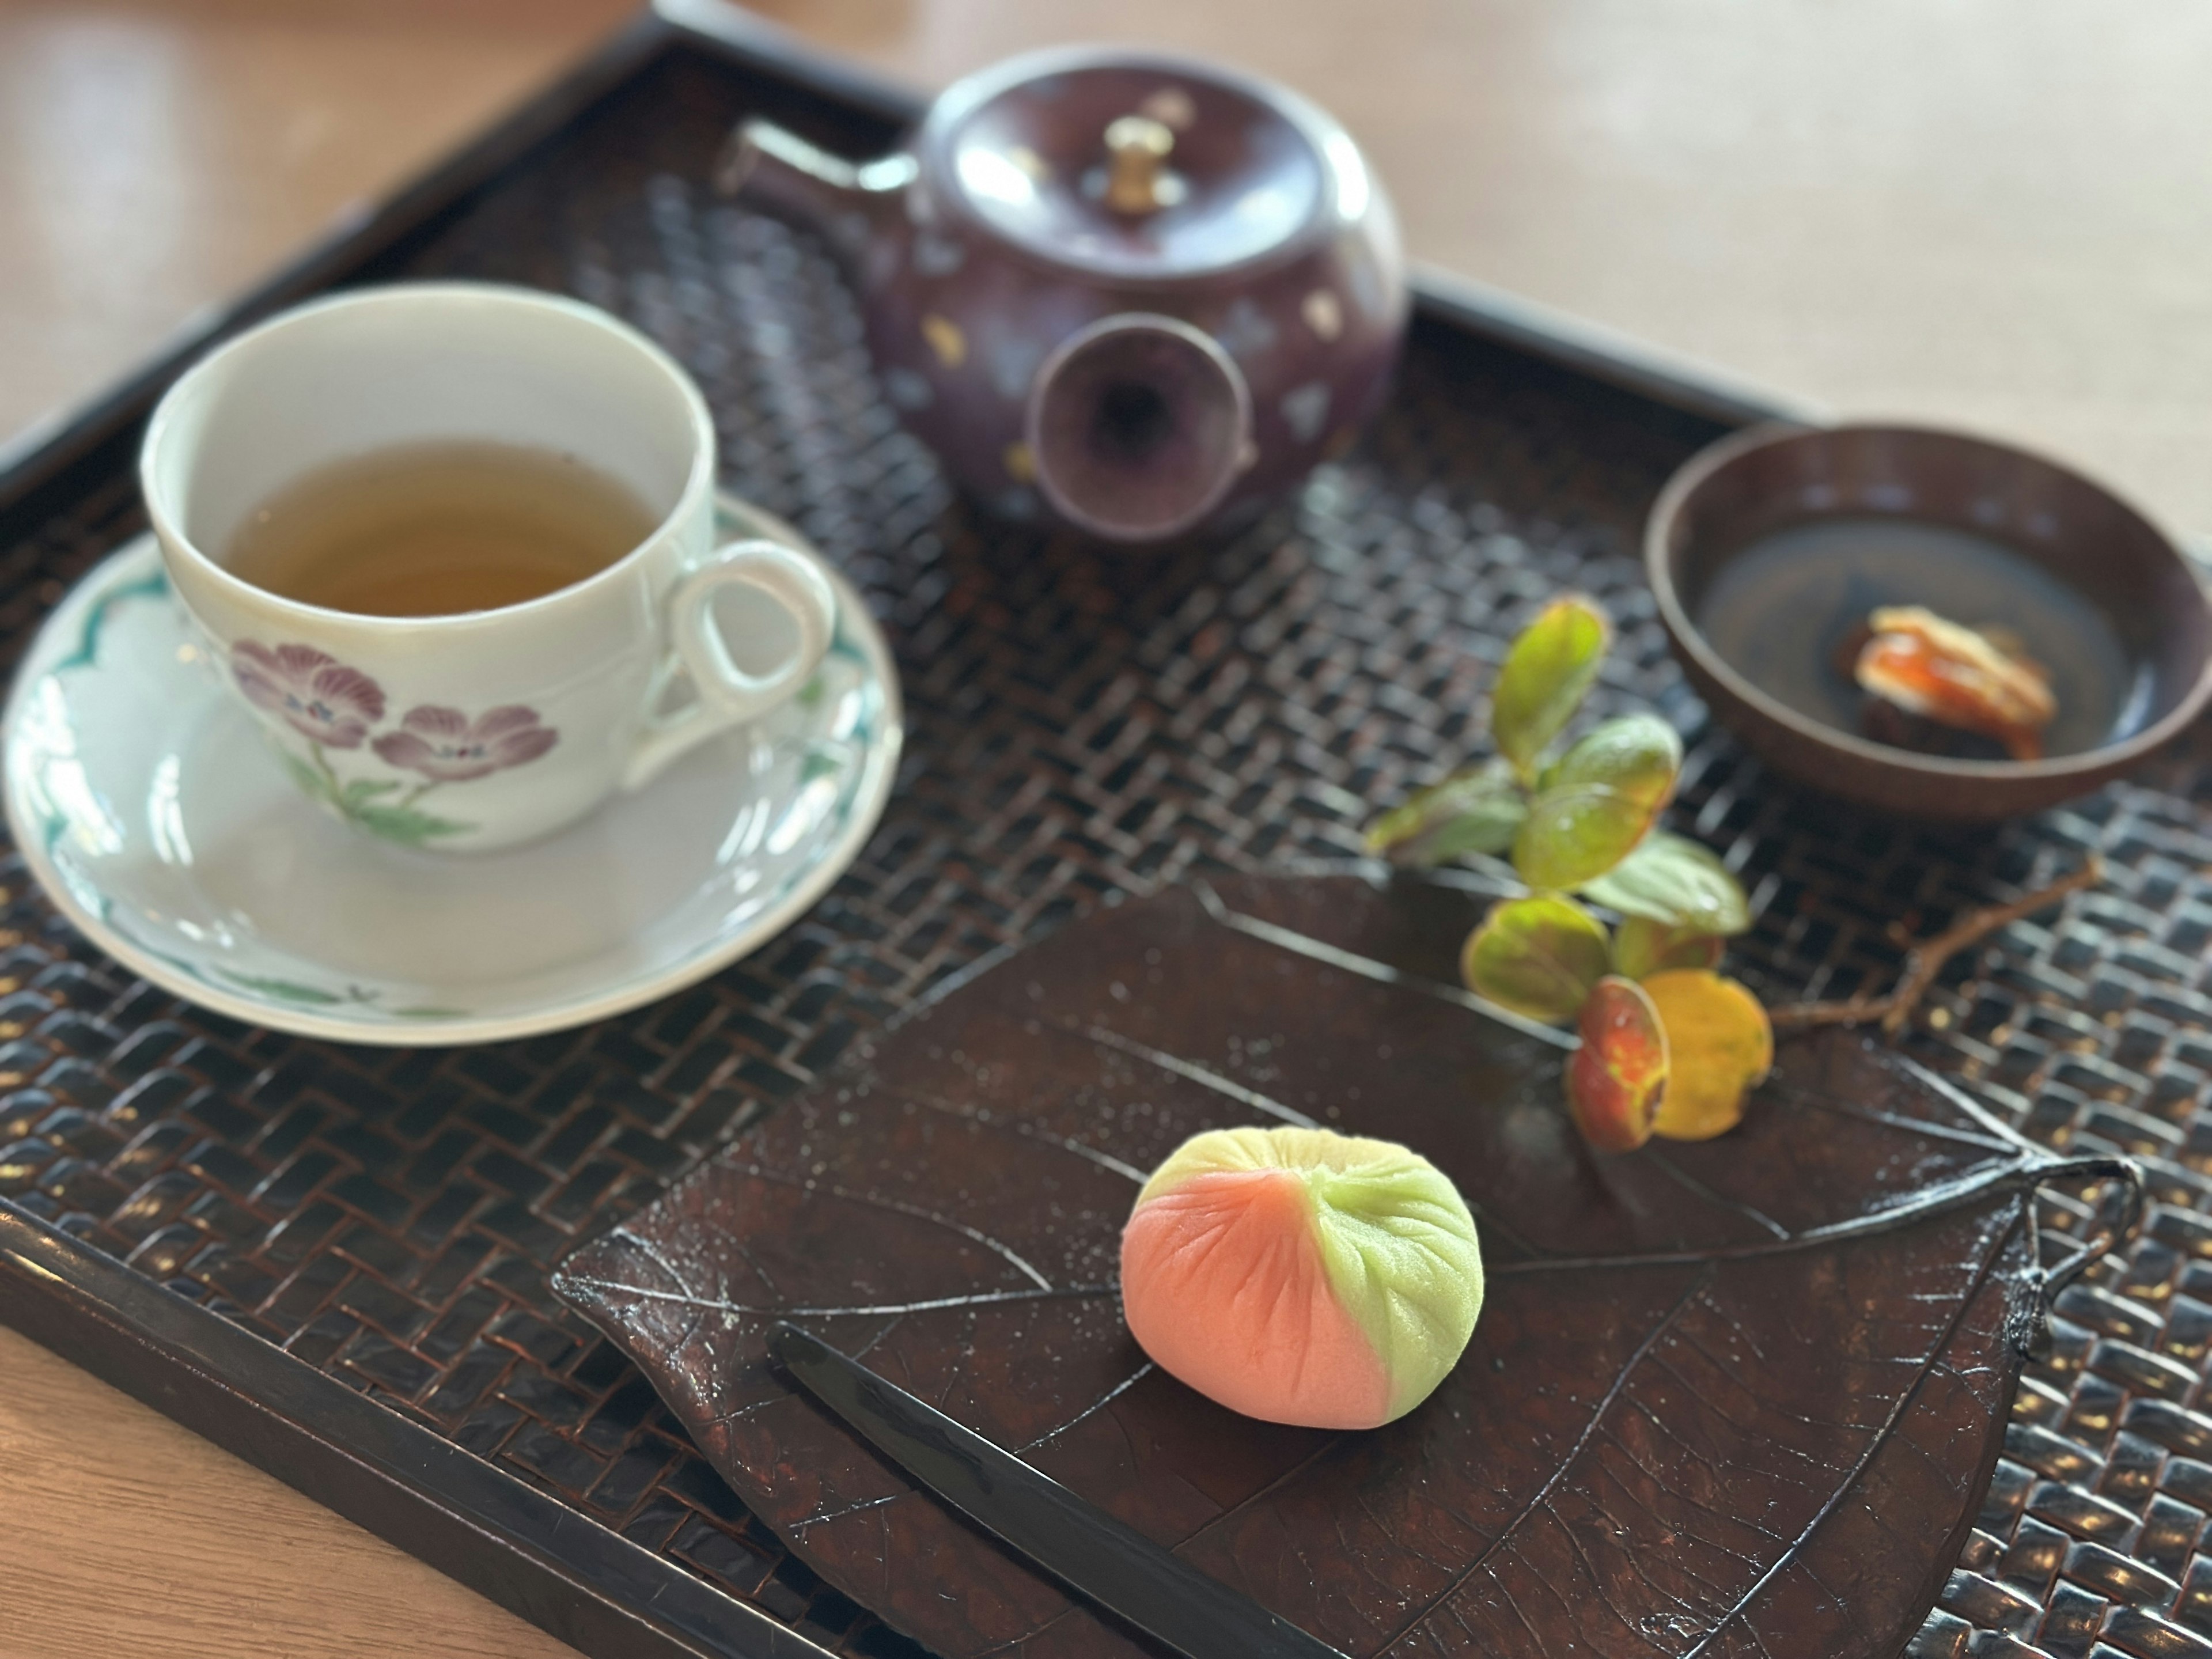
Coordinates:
334 1260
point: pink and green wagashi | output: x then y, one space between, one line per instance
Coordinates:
1302 1276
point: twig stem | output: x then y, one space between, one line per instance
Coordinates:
1926 958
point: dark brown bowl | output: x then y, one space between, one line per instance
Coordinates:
1768 547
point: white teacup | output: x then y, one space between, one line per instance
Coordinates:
478 730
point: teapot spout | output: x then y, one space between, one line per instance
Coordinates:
1137 426
779 170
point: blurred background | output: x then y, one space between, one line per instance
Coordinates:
1995 213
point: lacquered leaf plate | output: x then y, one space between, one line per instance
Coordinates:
1734 1398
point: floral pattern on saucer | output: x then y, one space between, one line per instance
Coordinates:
335 707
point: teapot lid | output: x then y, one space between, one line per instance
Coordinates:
1138 166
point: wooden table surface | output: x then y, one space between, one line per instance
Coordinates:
1995 213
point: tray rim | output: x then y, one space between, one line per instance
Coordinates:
385 1472
396 1478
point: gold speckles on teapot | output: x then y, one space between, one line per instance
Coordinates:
1131 293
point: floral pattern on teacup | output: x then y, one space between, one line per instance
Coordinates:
337 706
444 745
318 696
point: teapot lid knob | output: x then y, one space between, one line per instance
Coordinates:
1136 179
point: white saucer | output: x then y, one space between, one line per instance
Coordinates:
149 806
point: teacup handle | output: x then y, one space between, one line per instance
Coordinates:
727 696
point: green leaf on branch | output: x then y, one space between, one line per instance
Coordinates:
1642 947
1598 802
1537 956
1638 755
1477 811
1673 879
1548 669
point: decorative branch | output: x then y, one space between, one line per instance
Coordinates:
1925 959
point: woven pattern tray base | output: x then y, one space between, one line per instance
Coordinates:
1086 724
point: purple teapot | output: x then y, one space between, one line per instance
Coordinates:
1134 295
